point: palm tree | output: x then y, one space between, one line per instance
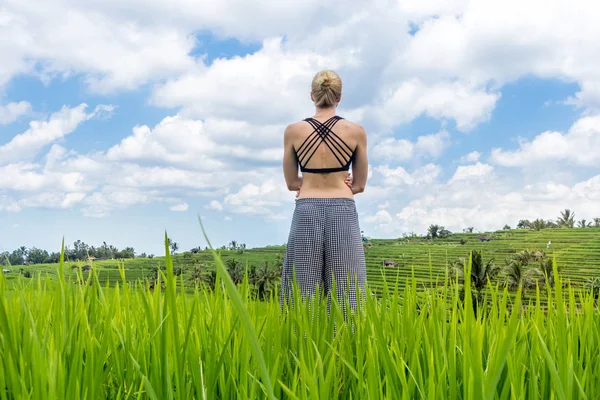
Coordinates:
597 222
584 224
517 275
264 278
545 269
235 270
480 272
538 225
593 284
566 219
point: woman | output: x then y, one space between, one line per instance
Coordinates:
325 243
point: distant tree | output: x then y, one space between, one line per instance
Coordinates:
54 258
411 235
235 270
517 275
468 230
523 224
264 278
506 227
539 224
18 257
174 246
583 224
481 273
545 270
566 219
597 222
4 258
37 256
593 285
433 231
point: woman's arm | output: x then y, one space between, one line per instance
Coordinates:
290 162
360 165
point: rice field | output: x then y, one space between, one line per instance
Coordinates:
414 338
577 252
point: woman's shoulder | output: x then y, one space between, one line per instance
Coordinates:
354 127
301 126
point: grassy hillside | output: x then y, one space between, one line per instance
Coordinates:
577 251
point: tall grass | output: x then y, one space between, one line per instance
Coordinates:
64 341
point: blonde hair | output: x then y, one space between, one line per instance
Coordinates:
326 88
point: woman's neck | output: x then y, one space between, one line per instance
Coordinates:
324 112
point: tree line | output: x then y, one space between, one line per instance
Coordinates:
566 219
78 251
83 252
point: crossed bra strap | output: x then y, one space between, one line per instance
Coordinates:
323 134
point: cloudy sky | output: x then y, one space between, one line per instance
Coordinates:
122 119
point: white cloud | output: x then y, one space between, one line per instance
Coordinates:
54 39
477 172
496 42
467 105
180 207
11 112
203 145
41 133
579 146
470 157
269 86
402 149
59 200
227 218
8 204
456 205
384 205
399 176
215 205
381 217
258 200
29 178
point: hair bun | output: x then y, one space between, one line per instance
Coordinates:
326 88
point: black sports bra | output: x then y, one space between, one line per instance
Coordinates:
342 152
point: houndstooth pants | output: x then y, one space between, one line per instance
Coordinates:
324 245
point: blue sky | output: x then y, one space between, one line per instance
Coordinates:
118 123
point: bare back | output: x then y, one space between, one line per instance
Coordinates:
324 148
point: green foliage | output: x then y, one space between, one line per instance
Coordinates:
67 341
437 231
566 219
584 224
481 272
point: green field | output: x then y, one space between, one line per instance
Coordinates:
577 252
107 333
59 340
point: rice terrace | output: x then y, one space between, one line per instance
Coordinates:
206 324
